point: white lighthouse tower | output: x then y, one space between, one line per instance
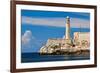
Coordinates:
67 34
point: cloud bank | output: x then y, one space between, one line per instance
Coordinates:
57 22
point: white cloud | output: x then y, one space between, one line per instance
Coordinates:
26 38
29 43
58 22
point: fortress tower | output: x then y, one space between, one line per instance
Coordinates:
67 34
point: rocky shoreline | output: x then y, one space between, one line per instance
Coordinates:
76 53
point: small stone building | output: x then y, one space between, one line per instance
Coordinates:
82 39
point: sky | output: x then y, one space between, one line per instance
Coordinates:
38 26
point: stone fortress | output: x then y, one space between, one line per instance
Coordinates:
78 45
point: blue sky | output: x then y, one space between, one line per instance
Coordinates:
38 26
41 14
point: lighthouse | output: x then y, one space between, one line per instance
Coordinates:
67 34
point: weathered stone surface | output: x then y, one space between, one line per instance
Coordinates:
62 46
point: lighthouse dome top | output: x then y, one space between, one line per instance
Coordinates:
67 17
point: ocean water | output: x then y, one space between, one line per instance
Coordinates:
36 57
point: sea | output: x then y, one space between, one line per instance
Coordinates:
36 57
